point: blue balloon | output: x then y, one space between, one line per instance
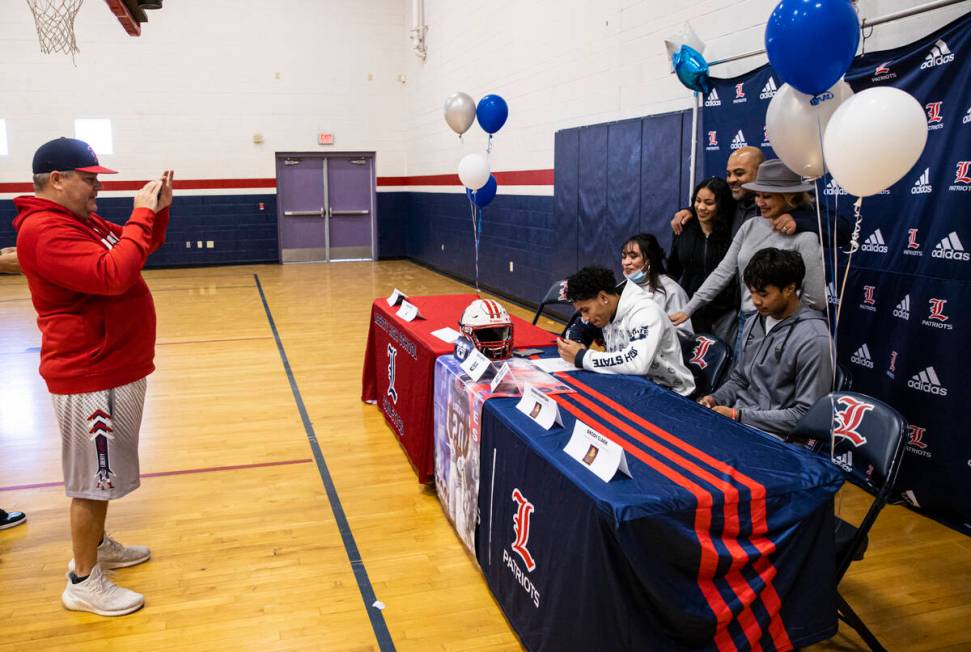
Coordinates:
692 69
484 195
491 113
811 43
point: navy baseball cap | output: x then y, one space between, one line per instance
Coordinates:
65 154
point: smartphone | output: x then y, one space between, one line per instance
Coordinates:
525 353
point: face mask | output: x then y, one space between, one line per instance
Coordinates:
637 277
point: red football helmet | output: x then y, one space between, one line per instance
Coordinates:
488 325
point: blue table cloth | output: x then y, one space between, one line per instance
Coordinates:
722 539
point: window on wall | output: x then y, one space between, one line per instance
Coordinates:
95 132
3 137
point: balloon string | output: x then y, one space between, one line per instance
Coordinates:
475 238
854 245
822 259
489 147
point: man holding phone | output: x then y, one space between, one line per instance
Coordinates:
97 322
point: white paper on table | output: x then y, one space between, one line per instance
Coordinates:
602 456
552 365
408 311
475 365
539 407
447 334
395 297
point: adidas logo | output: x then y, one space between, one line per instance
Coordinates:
967 117
923 184
950 248
910 497
844 461
738 142
833 188
902 310
831 295
862 357
769 90
928 382
712 99
875 244
938 56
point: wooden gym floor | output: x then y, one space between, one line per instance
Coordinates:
247 553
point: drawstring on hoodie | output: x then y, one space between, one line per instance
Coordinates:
779 347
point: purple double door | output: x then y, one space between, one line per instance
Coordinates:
326 206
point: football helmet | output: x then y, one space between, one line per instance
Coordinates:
488 325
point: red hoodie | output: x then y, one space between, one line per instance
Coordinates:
94 310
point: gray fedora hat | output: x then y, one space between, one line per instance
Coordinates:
774 176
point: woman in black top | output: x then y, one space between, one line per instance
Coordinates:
698 250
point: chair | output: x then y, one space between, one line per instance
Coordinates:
553 296
844 379
709 358
865 438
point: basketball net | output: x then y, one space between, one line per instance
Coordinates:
54 20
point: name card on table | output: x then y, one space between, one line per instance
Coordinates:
396 297
475 365
594 451
408 311
501 376
539 407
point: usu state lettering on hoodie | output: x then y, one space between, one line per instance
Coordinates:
778 376
94 310
640 340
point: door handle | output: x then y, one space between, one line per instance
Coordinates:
333 212
319 213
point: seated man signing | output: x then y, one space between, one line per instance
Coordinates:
784 364
639 338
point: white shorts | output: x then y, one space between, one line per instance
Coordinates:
99 440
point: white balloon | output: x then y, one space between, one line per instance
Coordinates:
874 139
474 171
795 124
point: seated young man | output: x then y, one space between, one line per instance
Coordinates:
639 338
784 364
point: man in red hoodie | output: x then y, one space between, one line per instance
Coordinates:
97 323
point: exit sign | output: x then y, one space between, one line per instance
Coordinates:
325 139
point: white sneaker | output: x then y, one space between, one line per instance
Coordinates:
112 554
100 595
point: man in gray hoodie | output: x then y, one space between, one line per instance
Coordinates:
784 365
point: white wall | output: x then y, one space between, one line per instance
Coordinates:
564 63
201 80
191 91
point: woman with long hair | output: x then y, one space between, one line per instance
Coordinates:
778 190
697 250
642 260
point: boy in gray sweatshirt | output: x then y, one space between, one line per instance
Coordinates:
784 364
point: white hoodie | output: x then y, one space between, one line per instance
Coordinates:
640 341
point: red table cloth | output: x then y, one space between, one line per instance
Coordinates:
399 367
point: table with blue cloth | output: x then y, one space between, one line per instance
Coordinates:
722 538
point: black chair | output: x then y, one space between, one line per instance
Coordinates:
552 297
865 438
844 379
709 358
